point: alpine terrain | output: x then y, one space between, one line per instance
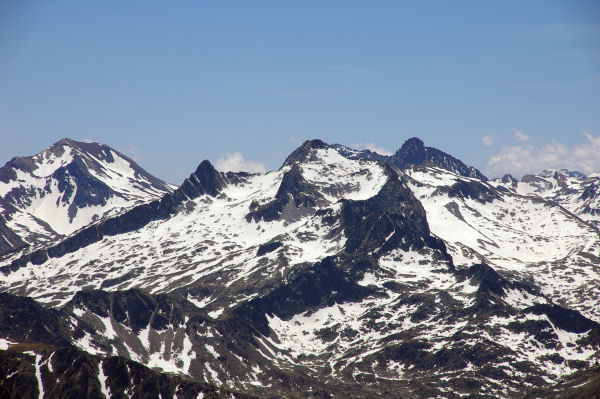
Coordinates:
344 274
66 187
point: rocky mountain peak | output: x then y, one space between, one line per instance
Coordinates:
394 213
205 180
66 187
412 152
508 178
211 180
301 153
58 148
60 154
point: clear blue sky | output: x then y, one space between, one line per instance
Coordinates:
173 83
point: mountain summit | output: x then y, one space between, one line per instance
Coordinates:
68 186
413 153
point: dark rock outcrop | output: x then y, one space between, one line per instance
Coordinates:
509 179
488 279
411 153
394 218
87 190
24 320
9 240
268 247
475 190
565 319
205 180
301 153
293 190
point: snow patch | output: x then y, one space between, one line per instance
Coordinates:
102 379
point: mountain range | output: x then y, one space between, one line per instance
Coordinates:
342 274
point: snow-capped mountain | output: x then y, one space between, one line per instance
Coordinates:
576 192
342 274
66 187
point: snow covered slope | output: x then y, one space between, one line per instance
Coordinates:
574 191
68 186
529 237
339 274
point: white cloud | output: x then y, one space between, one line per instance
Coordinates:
520 136
235 163
488 140
293 139
369 145
594 140
135 153
527 158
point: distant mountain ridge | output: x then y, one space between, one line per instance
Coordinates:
66 187
575 191
413 152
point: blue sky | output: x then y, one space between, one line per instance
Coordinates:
507 86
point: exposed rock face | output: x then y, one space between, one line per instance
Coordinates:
509 180
489 281
206 180
135 309
302 153
9 240
471 189
412 152
393 217
294 191
325 284
24 320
